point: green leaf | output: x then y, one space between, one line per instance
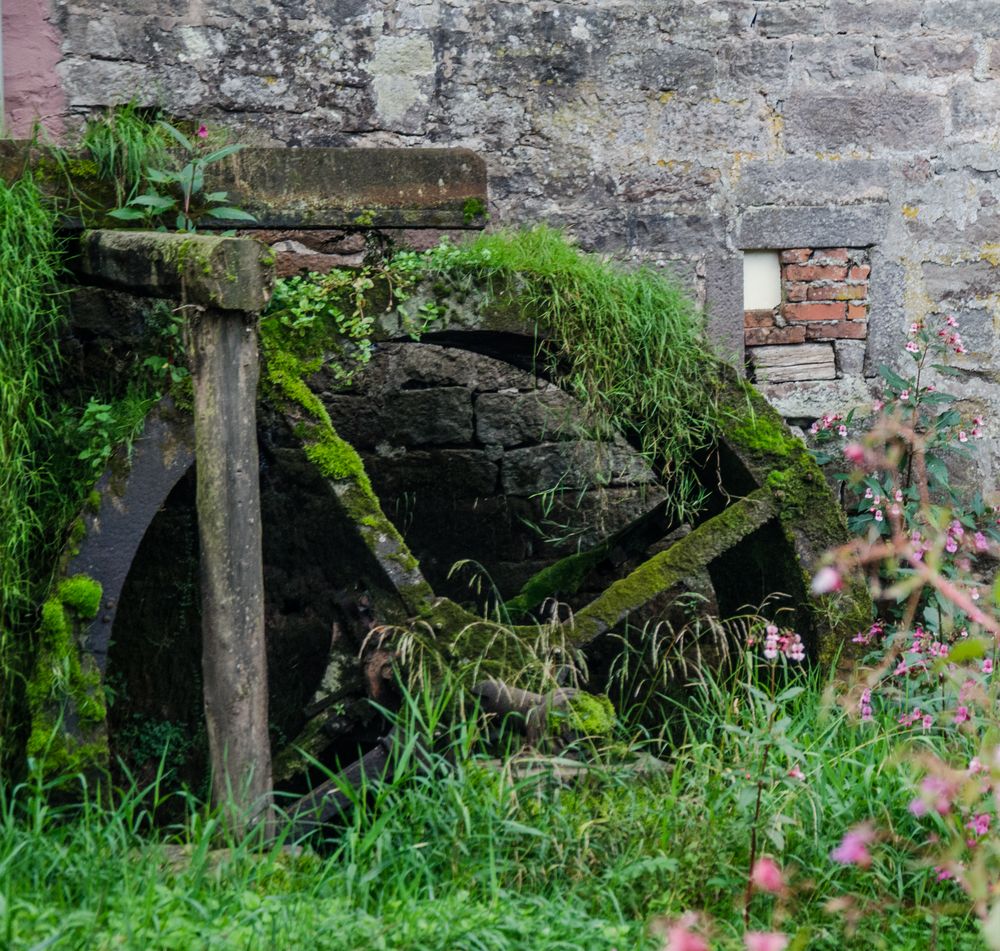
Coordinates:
127 214
946 370
226 150
160 177
235 214
154 201
182 140
216 196
969 648
893 379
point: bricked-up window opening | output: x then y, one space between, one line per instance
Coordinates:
824 299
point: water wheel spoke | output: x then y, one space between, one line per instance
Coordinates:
664 570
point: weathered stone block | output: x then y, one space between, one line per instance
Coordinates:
961 281
571 465
841 330
811 181
460 473
512 419
224 273
439 415
900 120
812 226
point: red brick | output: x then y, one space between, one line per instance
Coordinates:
841 330
795 255
860 272
758 318
833 255
820 310
772 335
838 291
857 311
795 291
815 272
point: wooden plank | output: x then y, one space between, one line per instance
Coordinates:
795 362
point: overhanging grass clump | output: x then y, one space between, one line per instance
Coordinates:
629 343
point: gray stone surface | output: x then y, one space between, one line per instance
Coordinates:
433 416
571 465
646 129
229 274
512 418
895 120
802 226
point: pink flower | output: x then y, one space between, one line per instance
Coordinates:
912 347
961 715
878 406
905 395
766 875
981 543
765 941
951 321
681 938
963 436
988 666
853 848
979 824
202 132
827 579
854 453
796 773
841 430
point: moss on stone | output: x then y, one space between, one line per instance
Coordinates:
65 695
562 577
81 594
584 715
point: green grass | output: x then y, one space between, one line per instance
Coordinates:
30 316
629 342
124 141
459 856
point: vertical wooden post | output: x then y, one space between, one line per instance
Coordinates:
222 349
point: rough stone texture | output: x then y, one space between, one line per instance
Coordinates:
655 131
230 274
475 459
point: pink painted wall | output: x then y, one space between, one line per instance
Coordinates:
32 47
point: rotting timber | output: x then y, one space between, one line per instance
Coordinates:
772 510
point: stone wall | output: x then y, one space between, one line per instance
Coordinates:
681 133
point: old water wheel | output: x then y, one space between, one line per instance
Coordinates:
477 460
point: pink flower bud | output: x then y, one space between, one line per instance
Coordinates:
766 875
827 579
765 941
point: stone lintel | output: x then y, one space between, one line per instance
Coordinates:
310 188
228 274
368 188
853 226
